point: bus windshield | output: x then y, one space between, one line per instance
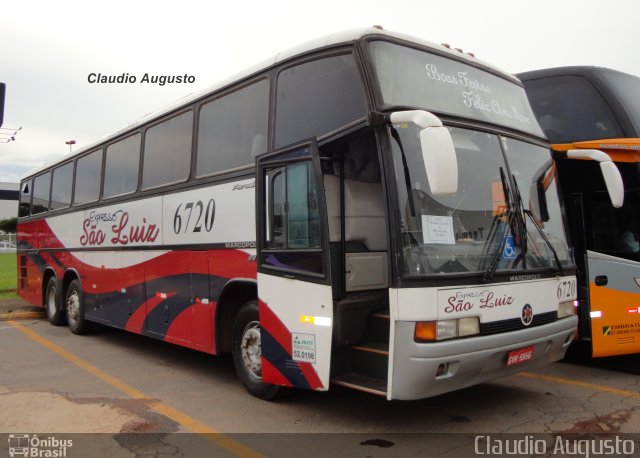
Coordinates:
480 227
627 89
570 109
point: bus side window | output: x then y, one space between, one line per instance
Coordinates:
233 129
293 229
121 167
61 186
24 209
317 97
275 237
167 151
41 187
88 173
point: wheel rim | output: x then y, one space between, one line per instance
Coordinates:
52 307
73 307
251 349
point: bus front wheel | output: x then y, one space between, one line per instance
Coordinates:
247 352
75 309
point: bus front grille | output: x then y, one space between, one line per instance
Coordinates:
496 327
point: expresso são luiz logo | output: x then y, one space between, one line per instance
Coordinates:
30 445
527 315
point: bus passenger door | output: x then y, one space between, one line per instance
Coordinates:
614 299
294 281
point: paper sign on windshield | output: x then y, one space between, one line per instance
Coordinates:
438 229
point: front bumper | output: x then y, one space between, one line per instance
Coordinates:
471 360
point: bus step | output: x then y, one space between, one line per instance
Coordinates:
378 326
370 359
362 383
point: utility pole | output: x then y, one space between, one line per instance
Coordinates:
2 92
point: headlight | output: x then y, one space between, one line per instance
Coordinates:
428 331
567 308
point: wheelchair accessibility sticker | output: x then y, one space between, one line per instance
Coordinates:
509 250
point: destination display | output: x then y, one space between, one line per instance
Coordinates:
414 78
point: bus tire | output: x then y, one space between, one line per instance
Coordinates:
75 309
53 303
246 350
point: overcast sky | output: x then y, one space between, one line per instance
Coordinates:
48 49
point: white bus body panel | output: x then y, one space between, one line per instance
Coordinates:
203 216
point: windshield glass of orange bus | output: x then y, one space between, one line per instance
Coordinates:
627 88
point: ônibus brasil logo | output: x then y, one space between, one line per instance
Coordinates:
33 446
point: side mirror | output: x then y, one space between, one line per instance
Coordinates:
538 200
538 191
438 152
613 181
610 172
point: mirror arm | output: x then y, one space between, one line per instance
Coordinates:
593 154
420 118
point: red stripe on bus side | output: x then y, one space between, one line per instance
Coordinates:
136 322
184 328
269 372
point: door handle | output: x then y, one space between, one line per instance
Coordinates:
601 280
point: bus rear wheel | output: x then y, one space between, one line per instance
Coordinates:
53 306
75 309
247 352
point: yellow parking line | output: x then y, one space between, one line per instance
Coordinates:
587 385
183 419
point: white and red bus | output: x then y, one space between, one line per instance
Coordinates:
364 210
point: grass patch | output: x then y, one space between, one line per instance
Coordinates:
8 275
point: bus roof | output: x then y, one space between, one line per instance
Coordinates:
328 41
580 70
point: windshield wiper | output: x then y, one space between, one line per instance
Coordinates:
521 225
546 239
493 231
529 213
523 229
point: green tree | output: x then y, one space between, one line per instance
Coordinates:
8 225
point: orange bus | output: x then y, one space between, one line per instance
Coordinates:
594 108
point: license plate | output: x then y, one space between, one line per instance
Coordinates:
519 356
